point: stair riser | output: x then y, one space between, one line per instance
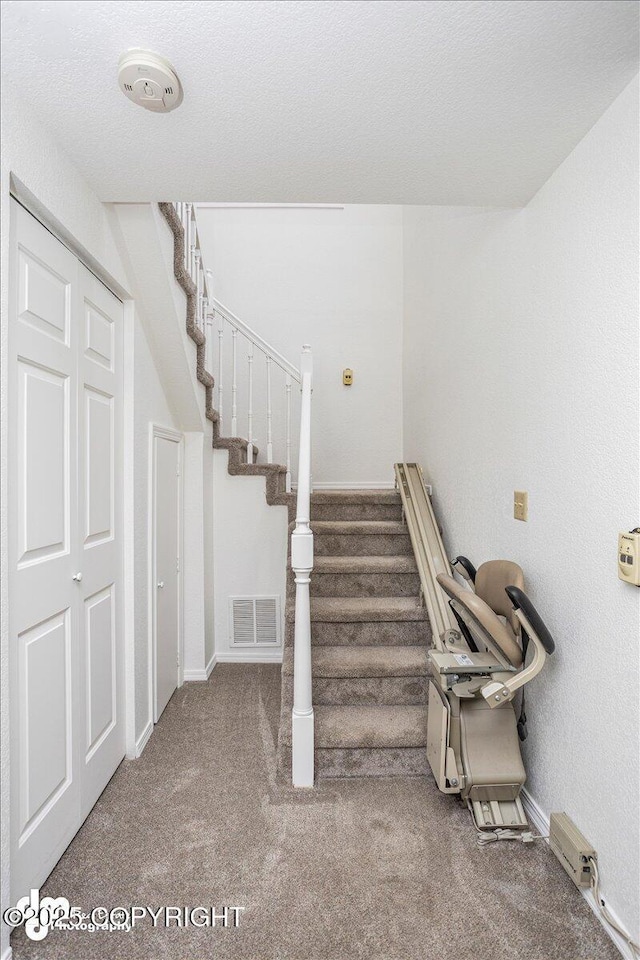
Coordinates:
362 545
369 691
372 762
365 585
371 633
356 511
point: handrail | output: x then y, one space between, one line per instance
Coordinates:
256 339
428 547
302 722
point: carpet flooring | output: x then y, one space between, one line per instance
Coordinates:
378 868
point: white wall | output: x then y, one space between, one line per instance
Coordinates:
249 552
331 278
520 365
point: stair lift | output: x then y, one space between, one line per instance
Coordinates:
488 642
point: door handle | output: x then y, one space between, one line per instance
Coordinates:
160 584
77 577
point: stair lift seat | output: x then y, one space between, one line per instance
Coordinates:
473 746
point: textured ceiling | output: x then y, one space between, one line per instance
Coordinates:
382 101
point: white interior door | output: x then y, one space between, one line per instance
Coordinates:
64 545
167 618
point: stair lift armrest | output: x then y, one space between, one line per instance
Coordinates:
464 567
496 693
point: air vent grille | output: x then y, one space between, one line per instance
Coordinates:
255 621
168 91
128 87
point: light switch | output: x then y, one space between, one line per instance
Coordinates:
520 505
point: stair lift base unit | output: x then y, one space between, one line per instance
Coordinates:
477 666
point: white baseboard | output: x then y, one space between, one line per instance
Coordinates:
540 821
249 656
7 954
200 675
143 739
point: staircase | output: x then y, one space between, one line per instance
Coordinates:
274 473
369 635
369 630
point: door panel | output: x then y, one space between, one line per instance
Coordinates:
43 428
45 716
65 473
166 538
99 504
45 788
99 455
101 668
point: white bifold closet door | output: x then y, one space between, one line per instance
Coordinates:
65 545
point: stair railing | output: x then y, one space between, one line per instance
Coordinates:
302 723
214 319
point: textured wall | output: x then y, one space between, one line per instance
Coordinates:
520 359
331 278
249 551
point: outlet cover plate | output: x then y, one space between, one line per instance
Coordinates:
520 505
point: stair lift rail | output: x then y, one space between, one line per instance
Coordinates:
216 321
302 721
428 547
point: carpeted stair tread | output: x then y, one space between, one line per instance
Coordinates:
357 727
363 609
355 496
364 661
359 528
364 564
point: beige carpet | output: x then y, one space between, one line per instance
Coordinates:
376 868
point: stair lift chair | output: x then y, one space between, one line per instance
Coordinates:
473 734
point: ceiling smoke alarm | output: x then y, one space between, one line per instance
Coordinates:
149 80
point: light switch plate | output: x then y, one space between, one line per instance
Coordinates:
520 505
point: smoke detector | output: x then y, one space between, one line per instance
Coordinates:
149 80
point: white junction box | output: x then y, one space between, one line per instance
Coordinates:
629 556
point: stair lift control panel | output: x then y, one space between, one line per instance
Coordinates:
629 556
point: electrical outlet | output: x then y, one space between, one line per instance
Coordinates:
572 850
520 505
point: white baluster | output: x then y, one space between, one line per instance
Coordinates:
269 418
194 239
198 268
187 237
220 344
250 407
302 720
208 344
287 387
234 383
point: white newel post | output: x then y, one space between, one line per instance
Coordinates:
302 759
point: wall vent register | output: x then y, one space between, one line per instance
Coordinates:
254 621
